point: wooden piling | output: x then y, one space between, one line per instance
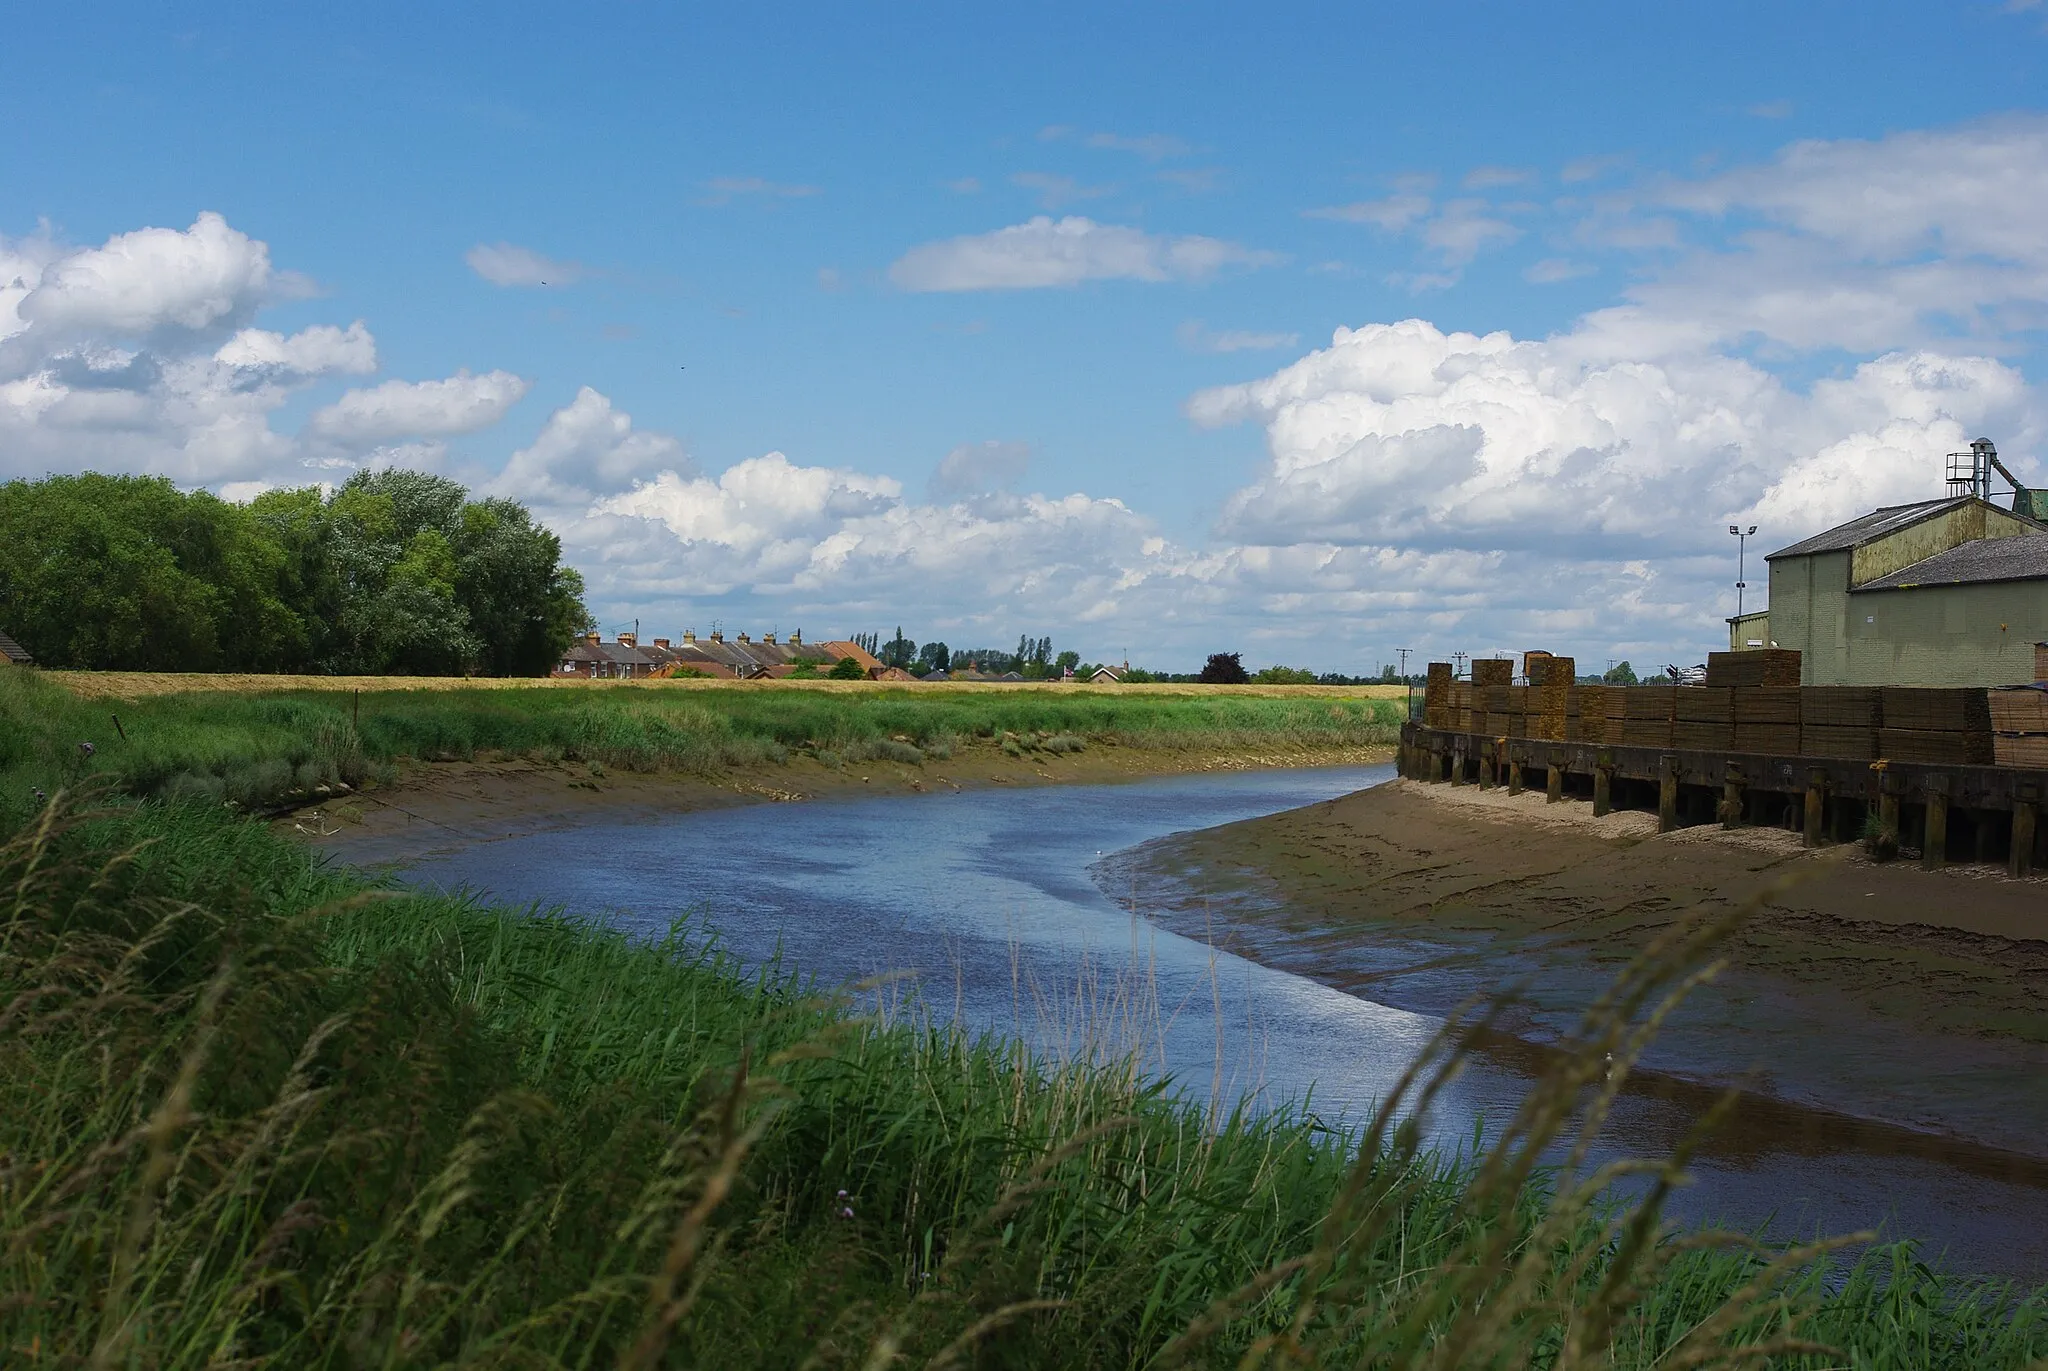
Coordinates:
1816 806
1887 821
1553 785
1731 797
2025 808
1667 794
1603 791
1934 846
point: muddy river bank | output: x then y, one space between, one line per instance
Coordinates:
1263 933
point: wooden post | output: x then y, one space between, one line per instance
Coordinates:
1731 797
1553 785
2024 810
1603 791
1488 760
1667 794
1887 822
1934 847
1514 772
1816 805
1458 764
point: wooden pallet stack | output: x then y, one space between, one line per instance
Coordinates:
1600 715
1647 715
1767 720
2019 726
1703 718
1491 680
1754 669
1950 724
1461 707
1436 697
1839 721
1551 683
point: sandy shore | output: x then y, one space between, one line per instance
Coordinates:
436 805
1881 991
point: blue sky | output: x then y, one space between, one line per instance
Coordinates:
1037 307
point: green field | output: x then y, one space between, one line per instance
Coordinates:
255 748
255 1112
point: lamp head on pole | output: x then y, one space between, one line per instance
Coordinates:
1733 529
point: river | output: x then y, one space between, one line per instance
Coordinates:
980 906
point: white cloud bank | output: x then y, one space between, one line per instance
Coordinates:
1433 487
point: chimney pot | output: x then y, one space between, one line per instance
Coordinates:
768 638
591 638
661 643
630 639
689 635
745 639
717 635
796 639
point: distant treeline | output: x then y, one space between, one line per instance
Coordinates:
396 572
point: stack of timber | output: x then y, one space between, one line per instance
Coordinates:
1838 721
1950 724
1436 697
1767 720
1646 716
1549 700
1704 719
1461 707
1492 671
1600 713
2019 723
1518 713
1759 667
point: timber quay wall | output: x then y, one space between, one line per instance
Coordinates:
1942 812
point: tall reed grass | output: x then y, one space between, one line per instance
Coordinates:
253 749
256 1112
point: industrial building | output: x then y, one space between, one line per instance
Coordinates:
1949 592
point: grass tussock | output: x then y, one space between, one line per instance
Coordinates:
255 1113
255 749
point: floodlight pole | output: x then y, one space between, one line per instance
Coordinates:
1404 651
1742 537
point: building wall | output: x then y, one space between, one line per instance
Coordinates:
1930 537
1946 635
1750 631
1810 614
1927 635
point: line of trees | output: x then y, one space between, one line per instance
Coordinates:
395 572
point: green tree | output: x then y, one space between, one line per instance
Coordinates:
1067 661
1223 668
1284 675
847 669
1620 674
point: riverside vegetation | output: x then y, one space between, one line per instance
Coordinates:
256 1110
255 749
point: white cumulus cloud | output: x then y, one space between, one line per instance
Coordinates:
152 278
461 403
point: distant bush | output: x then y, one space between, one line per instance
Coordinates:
1064 742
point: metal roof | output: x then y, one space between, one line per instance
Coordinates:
14 652
2023 557
1869 528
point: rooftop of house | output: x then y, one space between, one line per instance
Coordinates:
1988 559
14 652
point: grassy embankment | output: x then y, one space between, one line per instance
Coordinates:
252 1112
256 748
253 1109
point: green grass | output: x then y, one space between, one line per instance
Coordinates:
253 749
255 1112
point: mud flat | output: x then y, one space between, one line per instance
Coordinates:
436 806
1911 999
